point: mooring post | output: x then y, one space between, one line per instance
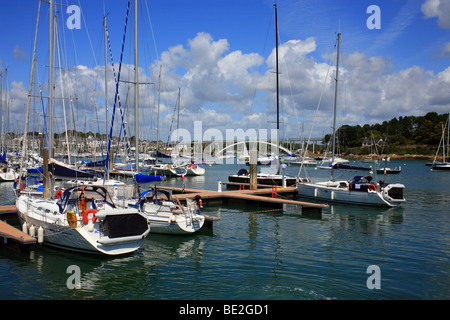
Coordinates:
283 166
46 193
253 169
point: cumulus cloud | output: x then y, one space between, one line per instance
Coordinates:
233 89
19 53
445 53
439 9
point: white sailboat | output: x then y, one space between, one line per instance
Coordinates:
8 175
7 169
165 215
194 170
82 218
387 170
445 164
168 170
361 190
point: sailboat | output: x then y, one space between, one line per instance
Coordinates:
7 171
387 170
193 169
167 216
82 218
168 170
243 175
445 164
8 174
361 190
160 211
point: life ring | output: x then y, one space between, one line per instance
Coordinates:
58 194
372 187
86 215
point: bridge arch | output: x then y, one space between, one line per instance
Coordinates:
244 142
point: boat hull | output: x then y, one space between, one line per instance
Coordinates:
180 226
440 167
195 171
8 176
168 170
268 180
324 192
167 218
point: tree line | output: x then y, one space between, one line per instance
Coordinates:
421 133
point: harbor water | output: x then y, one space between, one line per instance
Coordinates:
256 253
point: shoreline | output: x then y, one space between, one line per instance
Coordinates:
394 156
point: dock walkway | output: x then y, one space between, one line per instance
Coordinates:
4 210
10 233
265 195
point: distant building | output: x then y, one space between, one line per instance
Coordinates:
367 142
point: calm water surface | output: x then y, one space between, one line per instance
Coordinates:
263 255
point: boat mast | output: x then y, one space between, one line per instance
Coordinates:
50 79
277 153
30 91
178 111
1 110
157 118
136 86
335 104
106 77
446 154
278 91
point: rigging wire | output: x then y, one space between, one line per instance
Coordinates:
317 109
117 99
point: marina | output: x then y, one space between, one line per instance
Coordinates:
257 252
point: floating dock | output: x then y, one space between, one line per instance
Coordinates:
8 232
267 195
4 210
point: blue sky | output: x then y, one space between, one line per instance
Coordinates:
220 53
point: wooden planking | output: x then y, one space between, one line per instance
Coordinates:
249 195
9 232
8 209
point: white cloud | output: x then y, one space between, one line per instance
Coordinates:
439 9
19 53
226 89
446 50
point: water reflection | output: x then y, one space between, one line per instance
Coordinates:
266 255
